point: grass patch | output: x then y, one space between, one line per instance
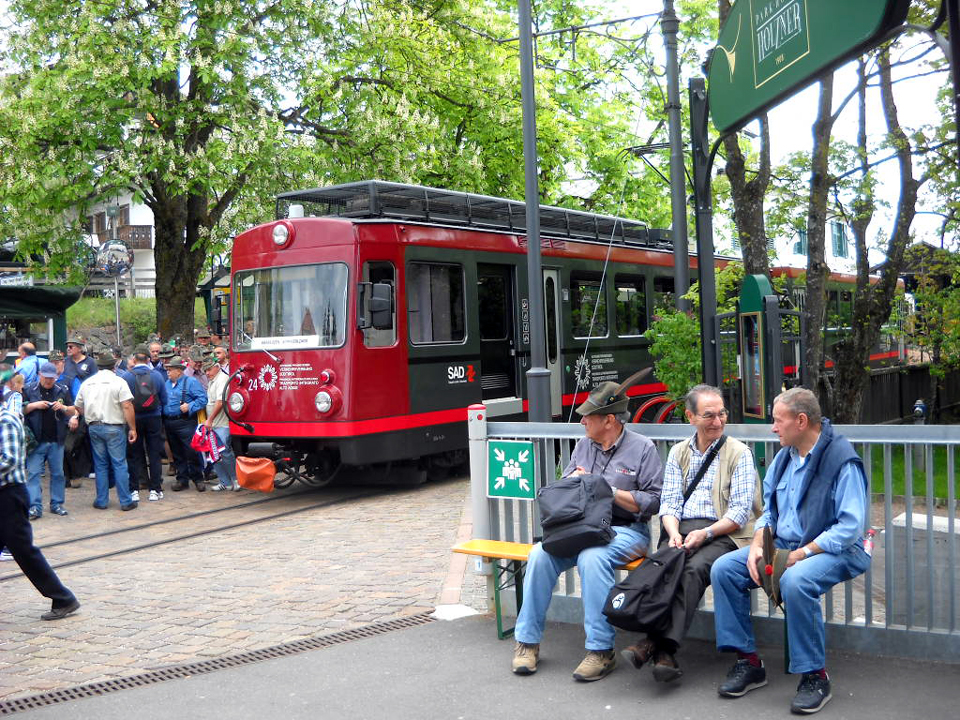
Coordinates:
898 477
137 315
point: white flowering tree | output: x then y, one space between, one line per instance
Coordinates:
204 109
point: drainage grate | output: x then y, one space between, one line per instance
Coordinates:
9 707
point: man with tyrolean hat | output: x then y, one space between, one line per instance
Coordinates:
629 463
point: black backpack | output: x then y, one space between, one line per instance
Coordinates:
144 392
576 513
641 601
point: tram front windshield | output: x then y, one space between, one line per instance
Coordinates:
285 308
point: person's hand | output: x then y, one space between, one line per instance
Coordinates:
694 539
579 471
57 406
184 407
795 556
676 541
73 423
755 554
208 423
131 436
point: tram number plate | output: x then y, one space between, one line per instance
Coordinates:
511 469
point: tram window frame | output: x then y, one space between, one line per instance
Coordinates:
601 321
381 271
663 298
457 310
638 285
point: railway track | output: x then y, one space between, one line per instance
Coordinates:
126 540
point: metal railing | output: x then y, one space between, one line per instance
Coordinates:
904 605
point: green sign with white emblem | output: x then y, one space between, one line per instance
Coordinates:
511 469
769 49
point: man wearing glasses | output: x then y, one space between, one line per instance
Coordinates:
716 518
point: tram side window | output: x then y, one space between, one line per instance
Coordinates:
435 303
631 306
381 272
588 308
662 294
492 296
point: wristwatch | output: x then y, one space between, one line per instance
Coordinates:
709 533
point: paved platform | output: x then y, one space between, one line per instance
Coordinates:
459 670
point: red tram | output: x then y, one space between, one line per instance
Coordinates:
371 315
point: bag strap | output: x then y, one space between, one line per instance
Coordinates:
714 451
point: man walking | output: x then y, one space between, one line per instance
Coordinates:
715 519
107 405
16 534
815 497
185 398
47 408
149 392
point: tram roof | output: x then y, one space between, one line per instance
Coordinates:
415 203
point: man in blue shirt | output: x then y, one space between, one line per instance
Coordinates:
15 531
149 398
815 496
29 364
185 398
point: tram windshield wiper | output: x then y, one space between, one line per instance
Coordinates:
269 354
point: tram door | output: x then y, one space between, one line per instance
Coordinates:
551 305
498 366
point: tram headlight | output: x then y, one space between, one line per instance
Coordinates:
282 233
323 401
236 402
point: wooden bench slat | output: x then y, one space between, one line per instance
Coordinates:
504 550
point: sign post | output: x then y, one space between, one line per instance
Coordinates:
511 471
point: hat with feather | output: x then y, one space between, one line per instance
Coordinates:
610 398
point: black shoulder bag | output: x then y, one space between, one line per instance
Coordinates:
641 601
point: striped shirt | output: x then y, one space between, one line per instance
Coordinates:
700 504
12 454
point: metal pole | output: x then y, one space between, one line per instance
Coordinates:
669 25
479 505
116 302
538 376
703 198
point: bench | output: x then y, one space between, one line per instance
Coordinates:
514 554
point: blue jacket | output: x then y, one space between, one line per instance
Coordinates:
29 367
31 393
159 383
185 390
816 512
160 368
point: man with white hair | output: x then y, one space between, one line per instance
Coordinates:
815 496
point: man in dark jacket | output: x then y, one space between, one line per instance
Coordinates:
815 495
149 391
47 407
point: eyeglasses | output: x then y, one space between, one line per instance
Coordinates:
709 416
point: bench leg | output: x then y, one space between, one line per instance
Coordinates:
511 573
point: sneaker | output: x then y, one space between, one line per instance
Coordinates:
638 654
59 510
236 486
135 496
35 513
742 678
6 555
597 664
813 693
525 656
220 488
666 669
155 495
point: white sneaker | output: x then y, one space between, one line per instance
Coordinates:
135 496
154 495
5 555
237 487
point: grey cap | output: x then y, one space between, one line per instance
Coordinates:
49 370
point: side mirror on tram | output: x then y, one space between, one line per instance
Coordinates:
374 306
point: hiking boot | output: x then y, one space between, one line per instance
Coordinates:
525 656
597 664
638 654
200 485
178 486
666 668
813 693
742 678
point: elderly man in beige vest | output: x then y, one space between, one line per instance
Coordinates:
716 518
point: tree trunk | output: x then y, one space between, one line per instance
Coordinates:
817 269
177 266
874 303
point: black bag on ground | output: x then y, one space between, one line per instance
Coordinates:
641 601
576 513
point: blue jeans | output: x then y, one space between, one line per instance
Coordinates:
800 586
226 466
52 453
109 444
596 566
